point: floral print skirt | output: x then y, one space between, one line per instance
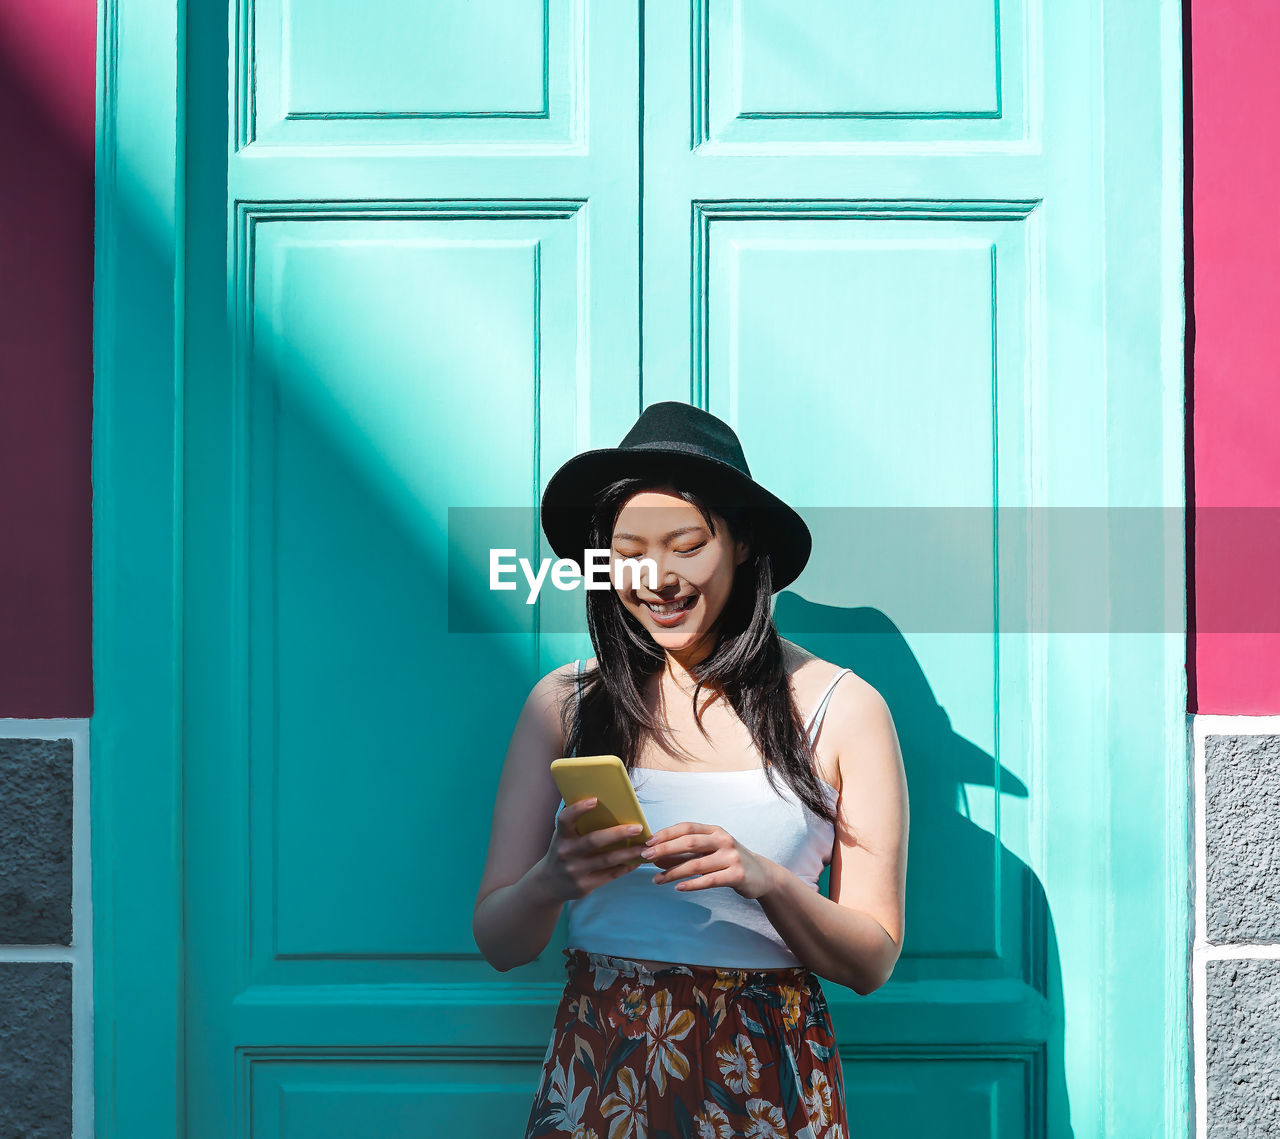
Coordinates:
689 1052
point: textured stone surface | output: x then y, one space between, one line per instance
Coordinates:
1243 1048
1242 838
35 842
35 1049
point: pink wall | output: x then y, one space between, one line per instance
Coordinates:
1234 250
47 66
47 75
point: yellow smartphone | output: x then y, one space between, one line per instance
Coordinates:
605 778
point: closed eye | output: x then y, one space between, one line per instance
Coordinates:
685 553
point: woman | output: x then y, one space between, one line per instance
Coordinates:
692 1006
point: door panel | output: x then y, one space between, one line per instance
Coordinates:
831 73
371 338
412 281
508 72
876 241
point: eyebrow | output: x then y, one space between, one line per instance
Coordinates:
668 536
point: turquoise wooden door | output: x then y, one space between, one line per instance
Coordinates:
433 250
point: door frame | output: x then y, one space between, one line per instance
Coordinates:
136 728
136 754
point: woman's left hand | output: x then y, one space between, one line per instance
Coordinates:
686 849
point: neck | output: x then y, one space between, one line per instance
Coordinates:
680 664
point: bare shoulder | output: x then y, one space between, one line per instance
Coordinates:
855 703
805 670
811 674
862 731
547 700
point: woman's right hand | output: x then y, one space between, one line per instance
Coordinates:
575 864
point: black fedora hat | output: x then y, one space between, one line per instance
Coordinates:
673 438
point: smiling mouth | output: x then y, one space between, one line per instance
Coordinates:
672 606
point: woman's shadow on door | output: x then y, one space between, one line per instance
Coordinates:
980 1051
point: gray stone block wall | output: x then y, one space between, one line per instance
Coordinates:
1242 823
35 1049
36 996
35 842
1242 907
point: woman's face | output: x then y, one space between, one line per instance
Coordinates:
695 567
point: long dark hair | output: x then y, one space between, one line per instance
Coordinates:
609 716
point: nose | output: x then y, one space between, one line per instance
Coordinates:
667 576
663 577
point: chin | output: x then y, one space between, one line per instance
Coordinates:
671 637
670 640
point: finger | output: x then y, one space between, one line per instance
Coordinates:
692 843
678 829
571 813
601 875
573 821
718 878
609 835
690 868
607 859
595 845
669 860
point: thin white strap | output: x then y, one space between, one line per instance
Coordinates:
577 693
815 721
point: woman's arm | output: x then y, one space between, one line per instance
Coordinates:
855 936
833 939
516 913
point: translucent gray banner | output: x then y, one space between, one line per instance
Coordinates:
931 570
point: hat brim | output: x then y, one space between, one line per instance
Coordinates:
571 494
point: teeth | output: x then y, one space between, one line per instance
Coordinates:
673 607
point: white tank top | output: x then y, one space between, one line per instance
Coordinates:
632 916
